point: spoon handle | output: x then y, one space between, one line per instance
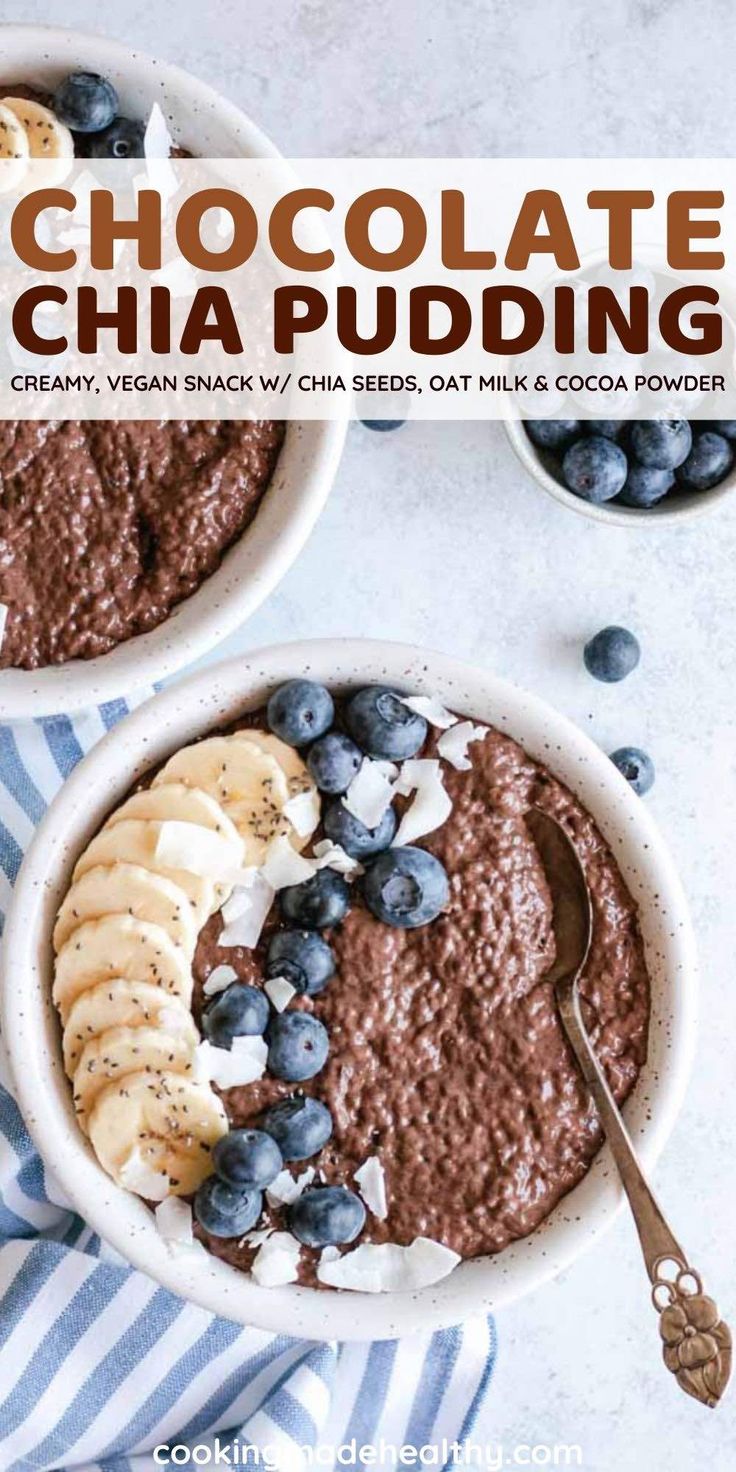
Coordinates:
697 1344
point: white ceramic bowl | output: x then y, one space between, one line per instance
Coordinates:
31 1030
211 127
672 509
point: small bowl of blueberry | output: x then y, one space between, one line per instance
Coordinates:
630 472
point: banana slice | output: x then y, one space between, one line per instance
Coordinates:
127 1004
14 150
46 136
119 946
123 1050
295 770
127 889
165 1120
133 841
173 800
246 781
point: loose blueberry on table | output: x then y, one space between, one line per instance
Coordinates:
635 463
362 982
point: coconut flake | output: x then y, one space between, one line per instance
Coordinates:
3 621
286 1188
157 140
369 794
174 1221
283 866
431 707
256 1239
387 1268
253 904
219 979
242 1063
190 846
303 812
453 745
329 1254
277 1261
372 1184
137 1175
329 855
279 992
431 806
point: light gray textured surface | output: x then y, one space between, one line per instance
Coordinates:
434 535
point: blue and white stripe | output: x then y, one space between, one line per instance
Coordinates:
98 1366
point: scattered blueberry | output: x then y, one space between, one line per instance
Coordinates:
382 725
552 434
123 139
298 1045
318 903
303 958
663 443
610 429
299 711
709 461
333 761
612 654
725 427
646 485
406 887
224 1210
595 468
383 425
85 102
247 1158
300 1126
239 1011
325 1216
357 840
636 767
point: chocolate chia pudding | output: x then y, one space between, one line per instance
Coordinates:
447 1057
105 527
411 1013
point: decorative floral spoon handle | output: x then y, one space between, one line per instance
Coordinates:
696 1342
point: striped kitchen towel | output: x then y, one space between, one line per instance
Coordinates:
99 1366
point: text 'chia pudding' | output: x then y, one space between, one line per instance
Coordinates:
104 526
301 976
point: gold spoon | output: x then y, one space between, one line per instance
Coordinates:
697 1343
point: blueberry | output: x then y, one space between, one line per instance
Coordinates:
406 887
298 1045
224 1210
86 102
324 1216
646 485
636 767
303 958
382 725
725 427
595 469
664 443
610 429
239 1011
552 434
709 461
300 1127
357 840
247 1158
318 903
333 761
383 425
299 711
612 654
123 139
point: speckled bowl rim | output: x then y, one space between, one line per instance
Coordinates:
309 459
31 1031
